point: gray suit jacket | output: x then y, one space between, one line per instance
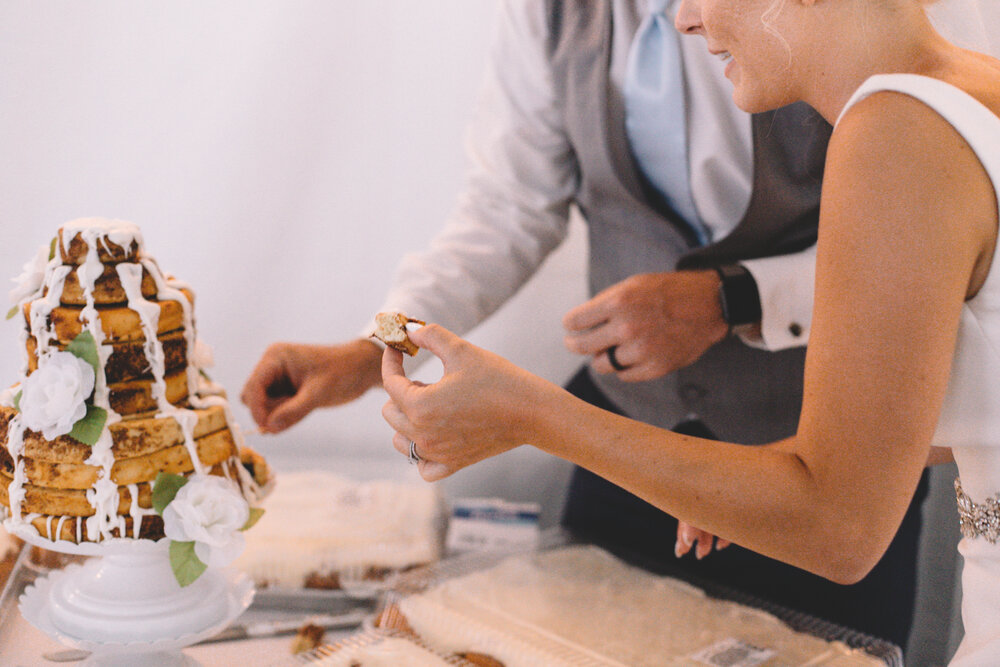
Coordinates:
742 394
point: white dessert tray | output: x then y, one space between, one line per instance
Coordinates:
370 637
423 578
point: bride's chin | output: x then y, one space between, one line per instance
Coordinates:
756 102
745 102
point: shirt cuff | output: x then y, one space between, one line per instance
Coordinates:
785 284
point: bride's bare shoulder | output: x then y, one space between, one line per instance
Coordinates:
895 136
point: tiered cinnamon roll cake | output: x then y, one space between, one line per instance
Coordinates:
163 414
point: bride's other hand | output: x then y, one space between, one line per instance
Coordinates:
688 536
479 408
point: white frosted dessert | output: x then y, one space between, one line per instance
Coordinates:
557 607
320 523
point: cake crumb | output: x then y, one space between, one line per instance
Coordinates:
308 638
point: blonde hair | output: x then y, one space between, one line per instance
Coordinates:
767 20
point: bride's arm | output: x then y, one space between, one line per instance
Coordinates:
901 241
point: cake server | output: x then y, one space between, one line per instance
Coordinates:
240 631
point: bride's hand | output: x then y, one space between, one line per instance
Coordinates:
479 408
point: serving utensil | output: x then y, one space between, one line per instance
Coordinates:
241 631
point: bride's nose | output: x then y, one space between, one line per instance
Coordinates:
688 18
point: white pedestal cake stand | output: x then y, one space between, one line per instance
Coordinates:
125 606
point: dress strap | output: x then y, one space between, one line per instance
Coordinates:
971 118
978 519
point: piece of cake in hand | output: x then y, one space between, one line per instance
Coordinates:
390 328
112 393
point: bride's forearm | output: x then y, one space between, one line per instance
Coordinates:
767 498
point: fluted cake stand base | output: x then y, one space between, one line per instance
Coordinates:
126 608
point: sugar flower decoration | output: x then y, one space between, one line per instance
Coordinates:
54 397
209 511
29 283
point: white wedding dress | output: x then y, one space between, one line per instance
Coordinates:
970 419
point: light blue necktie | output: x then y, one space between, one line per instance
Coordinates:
654 113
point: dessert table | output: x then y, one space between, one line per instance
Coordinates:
22 645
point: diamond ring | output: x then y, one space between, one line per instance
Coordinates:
414 458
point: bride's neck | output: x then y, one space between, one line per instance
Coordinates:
863 44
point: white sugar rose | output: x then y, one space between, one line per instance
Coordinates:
29 283
209 511
53 398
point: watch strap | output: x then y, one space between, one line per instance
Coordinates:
738 295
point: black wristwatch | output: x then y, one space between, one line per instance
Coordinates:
739 297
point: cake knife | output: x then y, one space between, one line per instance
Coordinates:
240 631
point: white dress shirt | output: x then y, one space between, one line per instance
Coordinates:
515 206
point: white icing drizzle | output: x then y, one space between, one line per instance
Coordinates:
79 530
130 276
170 290
87 274
22 344
42 307
15 447
103 496
53 280
137 513
187 419
48 526
49 277
59 528
251 490
93 230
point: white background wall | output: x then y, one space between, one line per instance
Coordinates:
280 157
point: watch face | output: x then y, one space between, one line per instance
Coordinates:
739 296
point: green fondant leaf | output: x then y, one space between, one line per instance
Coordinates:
85 347
12 312
185 562
52 248
88 429
255 514
165 488
17 401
